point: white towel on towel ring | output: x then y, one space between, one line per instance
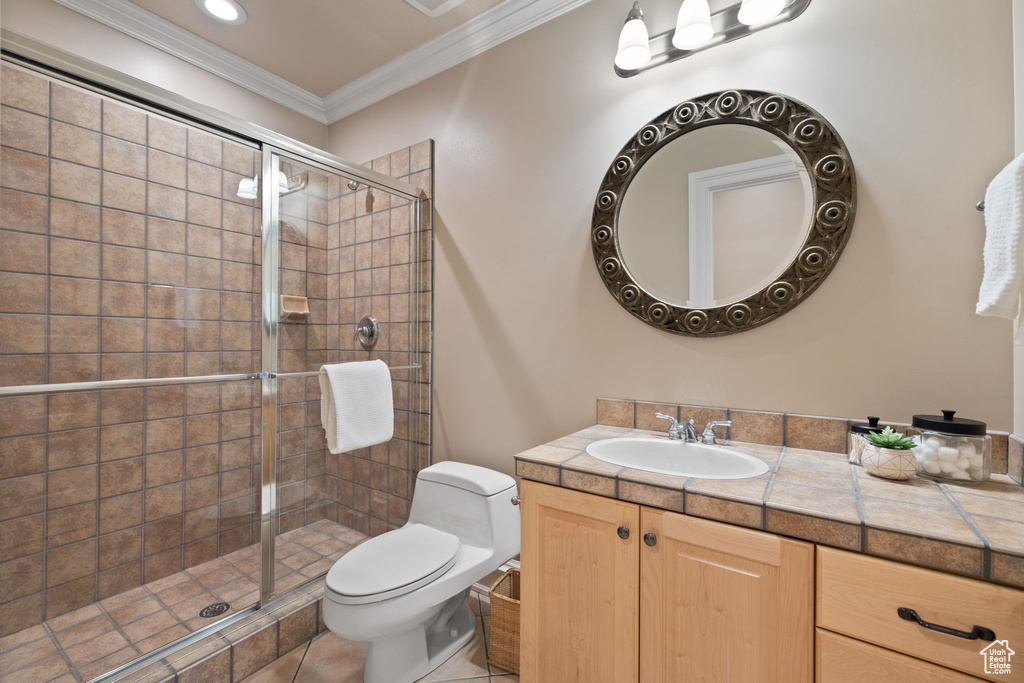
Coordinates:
1004 246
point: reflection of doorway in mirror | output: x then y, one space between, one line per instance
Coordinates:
742 216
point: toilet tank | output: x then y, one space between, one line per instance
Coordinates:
473 503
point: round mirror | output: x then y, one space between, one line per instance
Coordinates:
724 212
715 216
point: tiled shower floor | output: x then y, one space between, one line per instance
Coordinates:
90 641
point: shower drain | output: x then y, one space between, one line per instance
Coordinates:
214 610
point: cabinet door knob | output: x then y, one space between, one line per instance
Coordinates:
623 532
651 539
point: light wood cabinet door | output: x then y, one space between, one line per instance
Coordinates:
844 660
723 604
580 582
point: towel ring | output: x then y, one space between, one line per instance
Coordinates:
367 332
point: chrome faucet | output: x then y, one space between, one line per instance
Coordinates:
708 435
679 431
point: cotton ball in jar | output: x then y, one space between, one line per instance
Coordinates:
949 454
967 449
947 466
934 442
932 467
963 463
960 474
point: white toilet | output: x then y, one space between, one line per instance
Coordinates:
405 592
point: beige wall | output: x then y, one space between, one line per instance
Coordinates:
51 23
526 336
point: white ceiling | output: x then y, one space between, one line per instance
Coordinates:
319 45
324 58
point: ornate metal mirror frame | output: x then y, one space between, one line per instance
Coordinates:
832 179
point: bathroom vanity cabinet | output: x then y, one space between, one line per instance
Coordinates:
618 592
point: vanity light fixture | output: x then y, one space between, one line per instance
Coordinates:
696 30
634 42
224 11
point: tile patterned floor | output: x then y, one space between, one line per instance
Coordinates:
332 659
90 641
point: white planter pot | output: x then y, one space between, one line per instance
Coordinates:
889 463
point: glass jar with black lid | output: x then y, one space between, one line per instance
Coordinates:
952 449
858 440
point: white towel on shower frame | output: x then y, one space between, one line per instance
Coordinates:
356 405
1004 244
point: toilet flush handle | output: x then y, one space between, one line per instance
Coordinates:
515 500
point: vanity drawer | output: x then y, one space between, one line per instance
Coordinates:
844 660
859 596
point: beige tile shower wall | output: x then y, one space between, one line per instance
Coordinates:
124 253
378 268
921 92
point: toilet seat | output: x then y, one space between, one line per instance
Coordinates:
392 564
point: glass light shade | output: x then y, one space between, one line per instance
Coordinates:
634 46
693 25
754 12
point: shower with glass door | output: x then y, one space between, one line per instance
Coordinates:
170 284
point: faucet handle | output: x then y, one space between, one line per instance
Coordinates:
708 435
663 416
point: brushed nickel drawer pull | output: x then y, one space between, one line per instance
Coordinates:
977 633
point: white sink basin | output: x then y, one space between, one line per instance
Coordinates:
678 457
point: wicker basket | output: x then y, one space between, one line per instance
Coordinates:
504 645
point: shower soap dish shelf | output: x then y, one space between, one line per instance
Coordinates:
294 308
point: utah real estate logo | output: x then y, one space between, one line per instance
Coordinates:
997 657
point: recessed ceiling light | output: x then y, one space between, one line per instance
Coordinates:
225 11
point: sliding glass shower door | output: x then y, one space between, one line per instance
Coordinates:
129 361
346 251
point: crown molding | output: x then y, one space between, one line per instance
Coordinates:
479 34
154 30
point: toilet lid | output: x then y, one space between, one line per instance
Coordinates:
393 563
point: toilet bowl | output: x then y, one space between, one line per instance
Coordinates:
404 592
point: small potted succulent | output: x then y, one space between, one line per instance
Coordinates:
888 454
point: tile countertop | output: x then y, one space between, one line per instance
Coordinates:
817 496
